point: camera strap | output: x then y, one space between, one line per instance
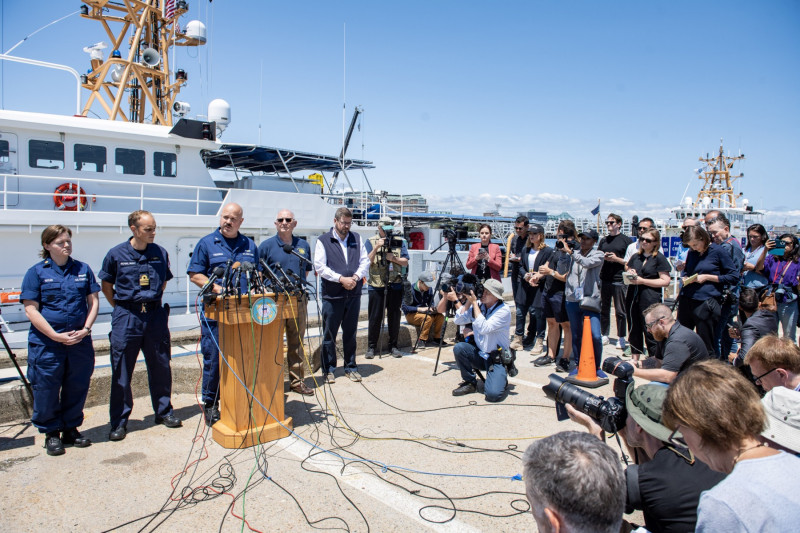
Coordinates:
775 277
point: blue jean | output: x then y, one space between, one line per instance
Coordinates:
576 314
339 312
724 342
468 358
787 315
537 325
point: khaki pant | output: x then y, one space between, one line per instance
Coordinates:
425 323
295 348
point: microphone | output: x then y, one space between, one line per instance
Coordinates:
289 250
300 281
288 282
215 274
247 269
229 279
271 275
225 276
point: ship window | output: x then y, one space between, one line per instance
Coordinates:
89 158
4 152
129 161
165 164
45 154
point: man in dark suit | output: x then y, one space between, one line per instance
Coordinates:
529 298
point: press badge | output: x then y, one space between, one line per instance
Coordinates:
144 280
579 293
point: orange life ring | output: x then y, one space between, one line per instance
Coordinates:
70 197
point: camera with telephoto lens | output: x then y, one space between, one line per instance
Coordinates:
610 414
467 283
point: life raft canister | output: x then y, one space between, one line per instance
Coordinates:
70 197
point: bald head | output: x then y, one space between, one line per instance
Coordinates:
230 220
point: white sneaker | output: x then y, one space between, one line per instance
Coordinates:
605 340
622 344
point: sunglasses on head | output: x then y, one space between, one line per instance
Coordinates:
284 219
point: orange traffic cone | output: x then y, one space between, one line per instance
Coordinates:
587 370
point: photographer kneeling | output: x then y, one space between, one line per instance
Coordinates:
490 319
666 481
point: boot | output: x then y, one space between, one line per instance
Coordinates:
538 346
516 344
529 339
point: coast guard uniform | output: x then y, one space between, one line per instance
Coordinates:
59 374
138 322
212 251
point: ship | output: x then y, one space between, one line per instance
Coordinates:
717 192
146 153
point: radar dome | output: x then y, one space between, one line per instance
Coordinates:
687 201
196 30
220 112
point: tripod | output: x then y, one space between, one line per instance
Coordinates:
452 264
16 364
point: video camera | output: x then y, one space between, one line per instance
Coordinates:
610 414
467 283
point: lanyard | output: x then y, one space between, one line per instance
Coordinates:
488 312
775 277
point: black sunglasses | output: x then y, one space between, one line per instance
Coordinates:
647 240
610 222
284 219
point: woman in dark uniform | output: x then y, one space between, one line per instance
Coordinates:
647 272
60 299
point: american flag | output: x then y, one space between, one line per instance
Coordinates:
169 9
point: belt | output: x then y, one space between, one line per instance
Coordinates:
140 307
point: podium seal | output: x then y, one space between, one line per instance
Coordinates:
264 311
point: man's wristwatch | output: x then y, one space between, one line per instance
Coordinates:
88 330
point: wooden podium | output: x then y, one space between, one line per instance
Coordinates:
251 339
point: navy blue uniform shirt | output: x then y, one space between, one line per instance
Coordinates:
136 276
214 250
61 294
271 251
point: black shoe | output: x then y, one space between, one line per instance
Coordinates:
543 361
53 444
441 341
370 353
562 366
73 437
528 340
465 387
118 434
171 421
211 415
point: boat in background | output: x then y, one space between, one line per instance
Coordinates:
717 193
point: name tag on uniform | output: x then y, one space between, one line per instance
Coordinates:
144 280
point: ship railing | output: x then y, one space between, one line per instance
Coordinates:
141 191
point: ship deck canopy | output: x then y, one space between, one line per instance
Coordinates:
269 160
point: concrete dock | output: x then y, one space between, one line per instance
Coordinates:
396 452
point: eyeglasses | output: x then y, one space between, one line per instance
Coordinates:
519 227
281 220
610 222
757 380
649 325
644 228
786 242
649 241
709 222
676 439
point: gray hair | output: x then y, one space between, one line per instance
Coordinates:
578 476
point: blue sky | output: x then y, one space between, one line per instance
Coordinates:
533 105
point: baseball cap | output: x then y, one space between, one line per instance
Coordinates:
644 404
494 287
591 233
536 228
385 220
782 406
426 278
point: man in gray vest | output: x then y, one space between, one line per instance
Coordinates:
388 256
341 261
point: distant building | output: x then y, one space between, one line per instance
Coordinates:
401 203
537 217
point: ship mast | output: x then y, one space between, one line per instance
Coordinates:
718 185
144 74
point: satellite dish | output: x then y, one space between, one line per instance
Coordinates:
687 201
745 202
706 201
151 57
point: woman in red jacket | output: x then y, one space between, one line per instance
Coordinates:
484 259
